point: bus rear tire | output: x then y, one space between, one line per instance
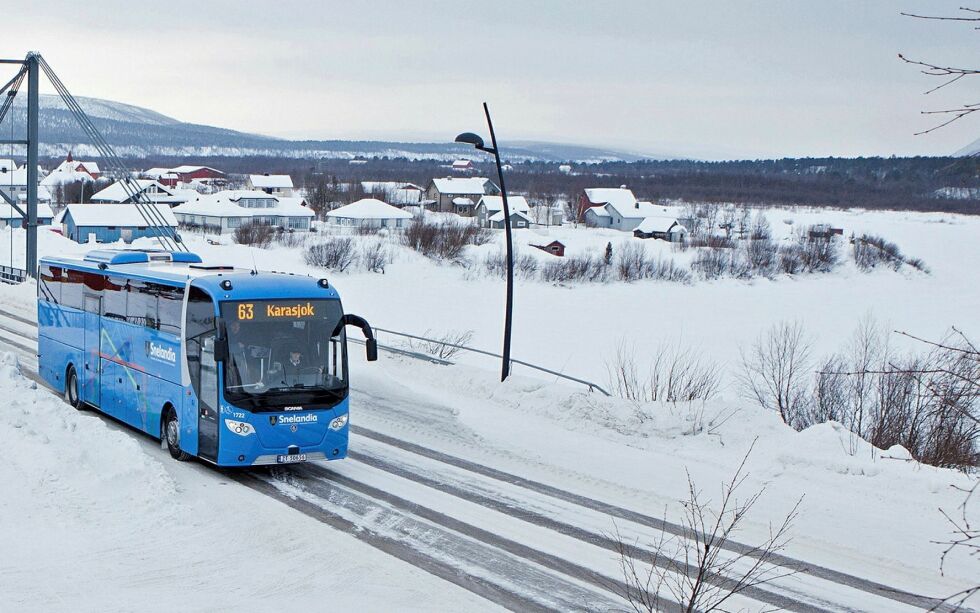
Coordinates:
171 434
72 396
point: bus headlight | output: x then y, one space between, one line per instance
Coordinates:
339 422
239 427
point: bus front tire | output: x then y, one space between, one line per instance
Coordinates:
171 434
72 396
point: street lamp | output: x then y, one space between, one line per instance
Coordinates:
475 140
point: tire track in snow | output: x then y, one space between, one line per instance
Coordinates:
821 572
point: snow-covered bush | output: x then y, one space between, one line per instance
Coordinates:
675 374
444 241
872 251
583 268
525 266
336 254
375 256
633 264
254 234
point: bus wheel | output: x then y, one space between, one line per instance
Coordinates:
171 432
72 396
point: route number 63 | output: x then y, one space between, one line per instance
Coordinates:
245 311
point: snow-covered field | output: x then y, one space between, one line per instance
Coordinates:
96 505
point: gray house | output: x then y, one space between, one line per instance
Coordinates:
444 191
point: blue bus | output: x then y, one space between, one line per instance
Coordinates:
235 367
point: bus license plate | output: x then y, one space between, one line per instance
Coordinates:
291 459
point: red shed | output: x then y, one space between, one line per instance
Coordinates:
555 248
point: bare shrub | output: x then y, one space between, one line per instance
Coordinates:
525 266
676 374
444 346
819 254
375 256
291 239
711 263
761 230
711 240
873 251
761 256
254 234
665 269
445 241
334 254
580 269
631 261
790 259
776 371
699 567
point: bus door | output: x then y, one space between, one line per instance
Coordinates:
91 375
207 400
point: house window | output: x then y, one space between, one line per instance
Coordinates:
234 222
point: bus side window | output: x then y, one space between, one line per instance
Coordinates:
114 298
50 285
169 307
71 290
200 313
142 306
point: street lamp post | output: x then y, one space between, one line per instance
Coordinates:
475 140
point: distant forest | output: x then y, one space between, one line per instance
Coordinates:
871 183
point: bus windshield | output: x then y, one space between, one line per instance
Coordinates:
284 353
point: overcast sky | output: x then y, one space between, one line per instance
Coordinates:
768 78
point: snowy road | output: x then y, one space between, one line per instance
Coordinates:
521 543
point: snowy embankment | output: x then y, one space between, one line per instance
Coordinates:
96 517
873 513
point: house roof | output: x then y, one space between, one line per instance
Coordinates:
472 186
462 164
499 216
67 172
117 191
8 165
225 204
395 192
463 201
660 224
187 169
369 208
271 181
118 215
619 196
9 212
636 210
598 211
496 203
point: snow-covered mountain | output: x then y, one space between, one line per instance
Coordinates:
138 132
971 149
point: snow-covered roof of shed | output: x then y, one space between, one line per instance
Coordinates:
118 215
514 203
271 181
499 216
660 224
461 185
185 169
9 212
369 208
117 191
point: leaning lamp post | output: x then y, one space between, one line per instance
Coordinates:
475 140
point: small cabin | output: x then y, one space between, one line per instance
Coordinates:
555 248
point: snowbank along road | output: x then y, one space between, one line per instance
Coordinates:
521 543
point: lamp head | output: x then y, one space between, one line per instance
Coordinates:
470 139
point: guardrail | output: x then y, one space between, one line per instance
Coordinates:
12 275
592 386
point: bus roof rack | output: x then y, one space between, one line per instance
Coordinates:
140 256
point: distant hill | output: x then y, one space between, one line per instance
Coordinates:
138 132
971 149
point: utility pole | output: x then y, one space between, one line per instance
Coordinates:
30 260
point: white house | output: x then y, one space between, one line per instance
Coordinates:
615 208
7 165
71 171
226 210
395 193
369 213
14 184
462 165
153 190
279 185
490 211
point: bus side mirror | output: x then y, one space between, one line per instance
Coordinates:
372 349
221 342
370 343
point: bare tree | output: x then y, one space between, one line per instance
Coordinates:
948 74
776 370
965 537
694 568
